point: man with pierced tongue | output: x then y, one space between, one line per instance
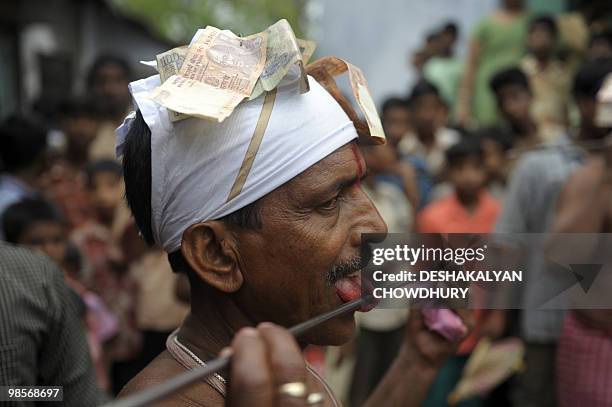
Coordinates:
264 214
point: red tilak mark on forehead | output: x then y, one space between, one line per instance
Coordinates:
357 155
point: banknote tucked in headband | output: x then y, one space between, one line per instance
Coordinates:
233 118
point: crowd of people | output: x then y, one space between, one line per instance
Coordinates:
489 143
62 193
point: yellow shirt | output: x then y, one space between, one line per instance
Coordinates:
550 86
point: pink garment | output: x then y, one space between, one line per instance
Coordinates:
445 322
584 365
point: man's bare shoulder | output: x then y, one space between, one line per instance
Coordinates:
164 367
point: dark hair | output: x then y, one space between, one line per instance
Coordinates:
508 77
21 143
99 166
590 77
545 22
422 88
432 36
73 260
78 107
137 177
451 27
23 214
393 102
466 147
603 36
498 134
105 60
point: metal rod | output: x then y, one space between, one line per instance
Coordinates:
176 383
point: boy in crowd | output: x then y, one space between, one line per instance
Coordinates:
107 83
425 145
548 77
395 117
37 224
514 98
495 142
104 183
64 182
141 289
99 238
468 209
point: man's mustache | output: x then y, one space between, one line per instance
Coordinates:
342 270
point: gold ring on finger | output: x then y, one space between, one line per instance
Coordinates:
314 398
293 389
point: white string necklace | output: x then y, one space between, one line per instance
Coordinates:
197 359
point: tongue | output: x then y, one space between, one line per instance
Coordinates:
348 288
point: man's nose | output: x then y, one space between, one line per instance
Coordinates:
368 220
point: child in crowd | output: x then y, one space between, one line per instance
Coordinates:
104 183
63 183
395 117
37 224
496 142
469 208
99 240
549 78
514 99
425 145
141 286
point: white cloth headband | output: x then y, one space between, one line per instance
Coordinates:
195 163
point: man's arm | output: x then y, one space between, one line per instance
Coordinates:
408 379
585 199
584 206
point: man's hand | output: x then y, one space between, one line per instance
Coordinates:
425 347
264 359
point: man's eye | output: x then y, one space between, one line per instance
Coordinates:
330 205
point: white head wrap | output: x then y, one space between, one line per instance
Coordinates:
195 163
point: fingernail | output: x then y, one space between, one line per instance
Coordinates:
248 331
266 325
227 351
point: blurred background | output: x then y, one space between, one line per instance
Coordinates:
490 111
47 46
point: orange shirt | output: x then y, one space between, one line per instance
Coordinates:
448 215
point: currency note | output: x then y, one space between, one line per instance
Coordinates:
603 111
326 68
219 71
365 102
169 63
282 53
307 48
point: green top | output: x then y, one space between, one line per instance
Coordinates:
502 44
445 73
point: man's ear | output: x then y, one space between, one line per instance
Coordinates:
210 250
